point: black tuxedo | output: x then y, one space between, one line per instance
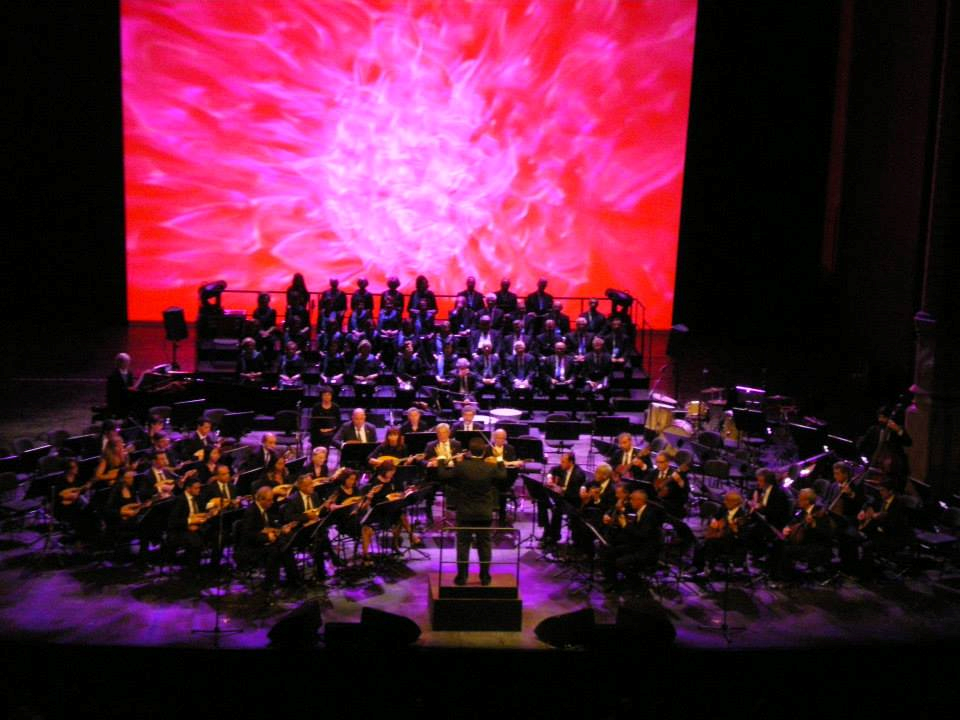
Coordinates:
596 322
523 368
579 343
473 299
637 545
507 301
473 484
179 534
538 303
253 545
348 433
777 509
465 384
261 458
192 444
619 457
566 503
212 490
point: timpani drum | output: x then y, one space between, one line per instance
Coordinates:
506 414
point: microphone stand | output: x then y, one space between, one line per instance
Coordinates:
216 631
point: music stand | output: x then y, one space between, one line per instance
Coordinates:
417 442
354 454
321 430
541 497
465 436
562 431
246 479
752 423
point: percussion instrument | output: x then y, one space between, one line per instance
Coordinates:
659 417
679 428
696 409
506 414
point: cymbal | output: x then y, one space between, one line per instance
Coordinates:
661 398
721 403
711 390
779 398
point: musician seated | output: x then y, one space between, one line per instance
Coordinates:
521 372
365 370
324 418
291 365
72 508
344 512
265 455
635 540
120 383
886 529
113 460
560 377
487 368
207 467
467 421
318 468
165 482
771 505
251 365
275 476
501 452
187 518
670 486
161 443
386 495
356 430
844 499
393 450
565 481
306 508
414 422
261 540
807 537
192 446
439 453
632 463
725 534
596 498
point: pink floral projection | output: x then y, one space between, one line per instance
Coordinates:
448 138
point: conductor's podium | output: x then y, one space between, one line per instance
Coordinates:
475 607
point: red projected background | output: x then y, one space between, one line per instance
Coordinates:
517 139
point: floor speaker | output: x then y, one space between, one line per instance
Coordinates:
298 628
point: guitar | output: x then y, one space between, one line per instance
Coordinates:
719 529
397 461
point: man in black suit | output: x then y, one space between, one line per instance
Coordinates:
467 421
580 341
463 380
506 300
438 454
262 540
181 533
193 445
484 334
597 497
560 377
888 528
565 480
472 298
560 318
725 533
548 339
596 322
222 489
487 369
265 456
771 503
521 372
540 302
596 372
357 430
503 452
635 538
120 383
473 483
304 506
633 462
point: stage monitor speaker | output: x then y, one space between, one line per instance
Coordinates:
298 628
568 630
387 629
175 324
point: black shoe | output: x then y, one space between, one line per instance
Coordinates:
485 579
460 580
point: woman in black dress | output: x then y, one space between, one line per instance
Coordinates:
386 497
346 512
122 511
325 418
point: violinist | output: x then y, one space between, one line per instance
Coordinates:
807 537
725 533
630 462
344 509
